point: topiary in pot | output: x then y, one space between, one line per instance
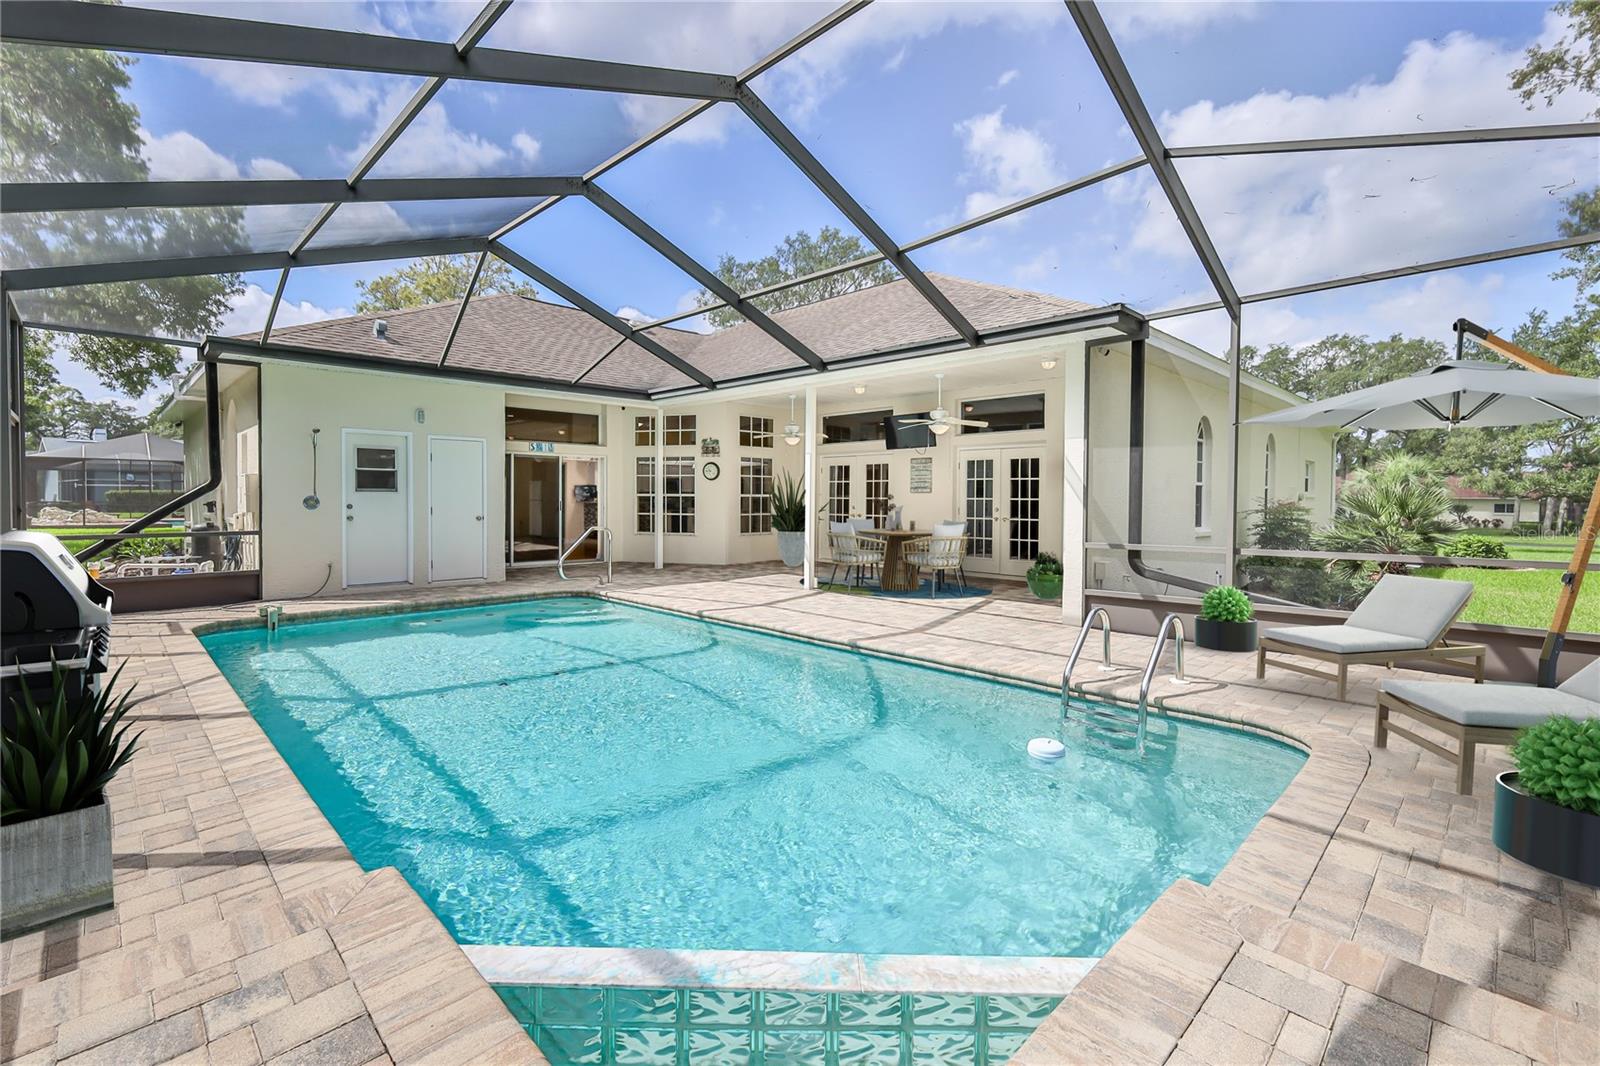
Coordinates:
1226 621
1547 811
1044 577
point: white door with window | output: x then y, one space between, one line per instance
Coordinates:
457 525
1001 501
377 507
858 488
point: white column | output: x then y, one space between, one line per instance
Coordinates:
809 480
1074 478
1225 567
660 484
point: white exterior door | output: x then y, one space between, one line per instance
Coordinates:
457 524
858 488
377 507
1001 500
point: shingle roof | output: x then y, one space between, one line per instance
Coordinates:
510 334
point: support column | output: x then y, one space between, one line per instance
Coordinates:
1230 565
1074 478
809 481
660 484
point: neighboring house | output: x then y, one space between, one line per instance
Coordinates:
1495 512
363 460
85 471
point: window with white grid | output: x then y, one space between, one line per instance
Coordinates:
680 430
677 495
755 432
755 495
877 482
838 492
644 431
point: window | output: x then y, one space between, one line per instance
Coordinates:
861 426
559 427
877 482
1505 507
1006 414
1269 473
677 494
375 470
838 493
755 432
1202 475
755 494
644 431
1310 481
680 430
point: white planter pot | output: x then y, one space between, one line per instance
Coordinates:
56 867
792 547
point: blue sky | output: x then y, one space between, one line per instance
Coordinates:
930 113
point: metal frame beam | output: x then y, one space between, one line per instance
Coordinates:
715 285
1115 72
583 303
1551 132
813 169
461 310
272 311
116 195
73 23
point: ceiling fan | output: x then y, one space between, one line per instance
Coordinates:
939 420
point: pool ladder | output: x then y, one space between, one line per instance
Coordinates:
1108 720
603 534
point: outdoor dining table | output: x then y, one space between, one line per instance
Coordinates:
898 575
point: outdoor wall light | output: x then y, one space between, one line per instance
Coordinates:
861 390
1048 363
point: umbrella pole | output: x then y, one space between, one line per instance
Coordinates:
1572 579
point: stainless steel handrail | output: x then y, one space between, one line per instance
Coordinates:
605 535
1167 624
1077 649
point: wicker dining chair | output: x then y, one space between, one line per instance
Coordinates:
940 553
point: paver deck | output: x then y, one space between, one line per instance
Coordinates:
1368 918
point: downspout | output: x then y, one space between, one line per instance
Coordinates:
214 478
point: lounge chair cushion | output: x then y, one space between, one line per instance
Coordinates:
1495 706
1345 639
1585 682
1421 608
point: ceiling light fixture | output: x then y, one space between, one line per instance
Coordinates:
1048 362
791 432
861 390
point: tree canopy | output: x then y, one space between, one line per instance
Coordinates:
437 279
799 254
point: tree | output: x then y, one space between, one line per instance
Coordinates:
51 409
64 116
438 279
799 254
1573 62
1402 507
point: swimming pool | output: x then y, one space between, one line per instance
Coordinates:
573 772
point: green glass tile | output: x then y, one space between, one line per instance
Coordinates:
1004 1045
724 1047
868 1009
649 1006
571 1044
518 1000
942 1010
721 1008
868 1047
794 1047
938 1047
571 1006
794 1008
1026 1011
646 1047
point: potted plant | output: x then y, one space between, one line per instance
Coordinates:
789 519
1044 577
55 824
1226 622
1547 810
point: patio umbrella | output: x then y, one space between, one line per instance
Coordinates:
1475 393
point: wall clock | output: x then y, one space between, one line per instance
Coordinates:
711 471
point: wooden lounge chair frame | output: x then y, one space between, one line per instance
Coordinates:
1467 737
1440 650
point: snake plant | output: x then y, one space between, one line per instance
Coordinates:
60 754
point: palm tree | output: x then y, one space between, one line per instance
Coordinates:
1400 508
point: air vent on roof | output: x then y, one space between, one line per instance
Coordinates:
380 328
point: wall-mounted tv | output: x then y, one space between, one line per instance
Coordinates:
897 436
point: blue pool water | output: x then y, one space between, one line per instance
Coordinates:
574 772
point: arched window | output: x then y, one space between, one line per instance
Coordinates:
1202 475
1269 472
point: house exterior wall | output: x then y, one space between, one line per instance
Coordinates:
1483 511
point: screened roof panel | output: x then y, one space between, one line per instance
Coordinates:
162 118
60 238
869 315
316 294
183 309
478 128
717 186
1285 220
933 113
433 20
366 222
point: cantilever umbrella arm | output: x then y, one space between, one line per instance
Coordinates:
1572 579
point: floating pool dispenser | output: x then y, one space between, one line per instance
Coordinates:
1046 749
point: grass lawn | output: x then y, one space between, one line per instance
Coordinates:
1522 597
75 537
1549 549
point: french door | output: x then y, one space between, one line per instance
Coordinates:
1002 502
858 488
550 501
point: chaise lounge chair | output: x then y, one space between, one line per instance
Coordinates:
1474 714
1402 618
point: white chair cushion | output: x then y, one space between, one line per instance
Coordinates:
1585 682
1345 639
1495 706
949 529
1418 607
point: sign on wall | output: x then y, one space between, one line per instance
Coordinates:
542 446
922 474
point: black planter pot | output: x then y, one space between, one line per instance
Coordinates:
1545 835
1225 636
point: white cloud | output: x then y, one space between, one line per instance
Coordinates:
526 146
431 145
629 313
249 312
1129 21
896 61
1009 162
1006 78
181 156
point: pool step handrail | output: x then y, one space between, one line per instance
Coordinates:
1168 624
600 532
1077 649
